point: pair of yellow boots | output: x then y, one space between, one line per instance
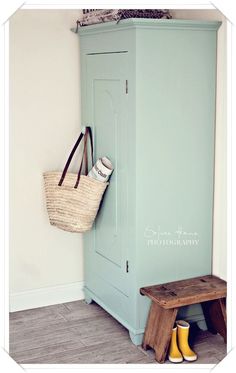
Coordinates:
179 347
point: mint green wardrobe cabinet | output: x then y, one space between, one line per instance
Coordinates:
148 92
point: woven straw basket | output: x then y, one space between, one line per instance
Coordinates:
73 200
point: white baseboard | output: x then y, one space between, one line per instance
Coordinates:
46 296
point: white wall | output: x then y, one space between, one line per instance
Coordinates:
44 123
46 264
220 193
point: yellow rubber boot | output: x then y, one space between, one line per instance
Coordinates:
175 355
183 333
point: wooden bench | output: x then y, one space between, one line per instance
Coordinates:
210 291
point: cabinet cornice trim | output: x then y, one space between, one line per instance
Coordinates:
134 23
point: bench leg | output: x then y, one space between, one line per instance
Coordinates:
215 316
159 329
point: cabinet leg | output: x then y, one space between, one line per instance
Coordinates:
87 297
215 316
136 338
159 329
88 300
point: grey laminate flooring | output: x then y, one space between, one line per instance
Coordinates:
77 333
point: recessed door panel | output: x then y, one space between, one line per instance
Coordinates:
107 106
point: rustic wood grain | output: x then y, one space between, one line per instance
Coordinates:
158 330
166 298
186 292
215 316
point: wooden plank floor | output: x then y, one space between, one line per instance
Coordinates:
77 333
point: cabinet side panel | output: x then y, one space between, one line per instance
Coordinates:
175 154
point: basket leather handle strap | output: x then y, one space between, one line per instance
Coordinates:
82 160
86 160
70 158
91 143
87 130
88 133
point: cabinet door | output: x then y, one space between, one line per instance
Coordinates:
106 109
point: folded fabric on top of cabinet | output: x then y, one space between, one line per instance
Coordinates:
94 16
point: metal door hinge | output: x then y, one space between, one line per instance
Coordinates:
126 86
127 266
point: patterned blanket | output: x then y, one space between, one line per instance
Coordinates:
94 16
